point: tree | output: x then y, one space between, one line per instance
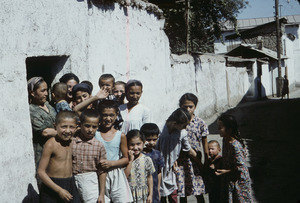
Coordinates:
205 19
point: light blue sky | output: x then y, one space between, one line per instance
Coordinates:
264 8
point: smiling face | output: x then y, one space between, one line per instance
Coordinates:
119 92
136 145
71 83
134 94
89 127
108 117
39 96
81 96
66 128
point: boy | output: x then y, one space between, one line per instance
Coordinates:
55 169
59 96
107 81
81 92
151 132
87 153
215 162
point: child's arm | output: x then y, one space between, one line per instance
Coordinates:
150 188
102 181
49 132
158 184
123 161
129 165
192 153
205 149
46 156
102 94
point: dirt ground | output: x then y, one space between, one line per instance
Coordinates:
271 128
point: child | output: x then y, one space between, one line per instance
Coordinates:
133 113
87 154
117 188
59 96
107 81
189 175
89 84
139 169
235 172
81 92
55 169
172 140
119 91
215 162
151 132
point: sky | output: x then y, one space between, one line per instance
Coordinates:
265 8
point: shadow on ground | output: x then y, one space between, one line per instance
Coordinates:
272 130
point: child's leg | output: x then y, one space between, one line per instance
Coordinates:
88 186
173 197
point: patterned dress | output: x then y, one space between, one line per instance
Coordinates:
142 167
237 187
189 180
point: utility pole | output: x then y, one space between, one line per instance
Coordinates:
187 13
278 38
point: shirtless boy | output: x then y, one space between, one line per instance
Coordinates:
55 169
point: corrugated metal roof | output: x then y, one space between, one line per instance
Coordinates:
253 22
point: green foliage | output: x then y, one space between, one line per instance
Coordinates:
205 23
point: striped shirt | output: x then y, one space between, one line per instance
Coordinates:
86 155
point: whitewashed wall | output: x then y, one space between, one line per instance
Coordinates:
95 39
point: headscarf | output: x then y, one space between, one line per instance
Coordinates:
32 82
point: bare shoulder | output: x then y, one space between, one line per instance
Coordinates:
51 143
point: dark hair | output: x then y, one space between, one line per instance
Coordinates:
81 87
180 116
230 122
149 129
89 84
135 133
120 83
89 113
65 114
108 104
69 76
106 77
190 97
60 90
133 83
214 142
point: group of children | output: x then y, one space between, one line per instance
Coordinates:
108 150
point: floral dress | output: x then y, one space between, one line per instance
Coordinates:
237 187
142 167
189 180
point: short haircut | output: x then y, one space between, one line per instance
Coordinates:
89 84
81 87
131 83
135 133
91 113
149 129
65 114
106 77
60 90
69 76
190 97
108 104
180 116
120 83
215 142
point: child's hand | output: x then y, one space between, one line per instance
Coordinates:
149 199
175 166
65 195
221 171
103 93
100 199
130 155
105 164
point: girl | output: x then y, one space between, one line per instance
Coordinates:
133 113
189 180
235 173
172 140
139 169
71 80
117 188
119 91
